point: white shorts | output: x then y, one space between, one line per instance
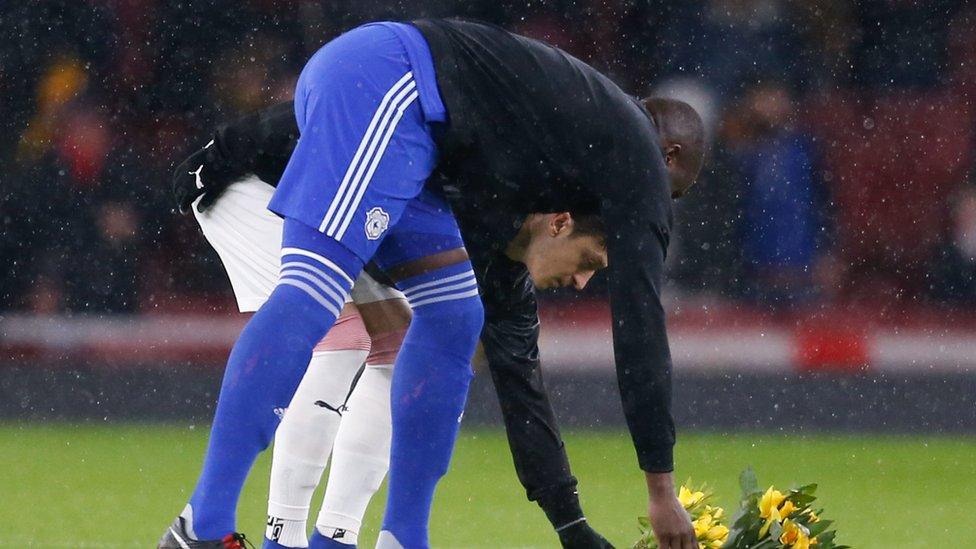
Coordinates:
247 237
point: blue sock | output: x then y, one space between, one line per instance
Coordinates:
265 367
318 541
430 386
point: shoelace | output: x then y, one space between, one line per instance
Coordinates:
236 541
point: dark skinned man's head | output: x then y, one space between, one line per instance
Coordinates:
682 140
566 249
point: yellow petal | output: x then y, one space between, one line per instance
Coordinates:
702 525
770 502
718 532
787 508
792 532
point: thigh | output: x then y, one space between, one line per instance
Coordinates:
365 149
427 227
247 237
368 290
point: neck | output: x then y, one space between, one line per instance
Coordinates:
517 246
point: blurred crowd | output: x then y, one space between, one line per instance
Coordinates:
840 166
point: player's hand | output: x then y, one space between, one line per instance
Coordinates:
205 173
671 523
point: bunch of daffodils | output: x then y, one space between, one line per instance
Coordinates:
706 518
772 519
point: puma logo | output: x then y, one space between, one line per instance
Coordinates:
327 406
196 174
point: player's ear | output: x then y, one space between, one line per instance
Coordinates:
559 223
671 153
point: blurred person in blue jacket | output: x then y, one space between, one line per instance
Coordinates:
784 225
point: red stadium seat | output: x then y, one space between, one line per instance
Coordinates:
890 164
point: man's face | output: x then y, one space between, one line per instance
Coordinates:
558 258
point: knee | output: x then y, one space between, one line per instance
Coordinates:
456 323
470 316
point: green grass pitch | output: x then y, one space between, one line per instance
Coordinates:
116 486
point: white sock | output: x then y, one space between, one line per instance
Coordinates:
361 456
187 516
304 440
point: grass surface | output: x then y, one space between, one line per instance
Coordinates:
119 486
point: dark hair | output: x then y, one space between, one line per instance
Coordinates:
589 225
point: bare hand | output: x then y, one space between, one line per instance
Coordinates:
671 524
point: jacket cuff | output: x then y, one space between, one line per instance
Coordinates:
658 459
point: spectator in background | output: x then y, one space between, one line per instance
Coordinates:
723 42
102 277
56 161
249 77
106 94
37 33
903 44
783 225
830 33
962 52
72 214
706 253
955 268
618 37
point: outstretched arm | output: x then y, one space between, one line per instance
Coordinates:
636 210
510 338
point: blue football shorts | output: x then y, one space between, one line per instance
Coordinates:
367 105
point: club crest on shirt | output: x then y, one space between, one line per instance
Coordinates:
377 221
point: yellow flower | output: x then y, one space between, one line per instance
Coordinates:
716 512
769 503
813 516
769 509
719 533
688 498
701 525
708 530
796 536
786 509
